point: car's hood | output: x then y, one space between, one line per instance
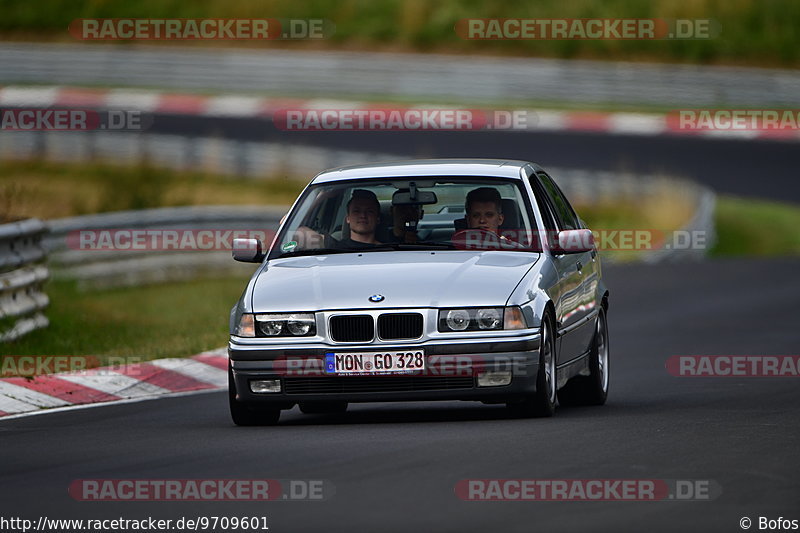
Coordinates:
405 279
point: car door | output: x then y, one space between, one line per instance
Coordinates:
577 276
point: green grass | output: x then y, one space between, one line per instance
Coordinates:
756 227
744 226
619 216
51 190
174 320
759 33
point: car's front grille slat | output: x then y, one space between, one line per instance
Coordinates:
393 326
323 385
352 328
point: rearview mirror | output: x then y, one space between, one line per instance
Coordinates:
422 198
248 250
575 241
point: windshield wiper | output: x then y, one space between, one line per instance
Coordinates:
325 251
313 251
423 245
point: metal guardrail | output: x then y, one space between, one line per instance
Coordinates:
22 276
95 269
424 77
210 154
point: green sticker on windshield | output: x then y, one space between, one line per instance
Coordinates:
289 246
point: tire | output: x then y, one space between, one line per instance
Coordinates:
591 389
247 415
323 408
543 402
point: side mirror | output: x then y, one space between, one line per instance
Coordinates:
575 241
248 250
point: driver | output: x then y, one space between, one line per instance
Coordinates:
484 209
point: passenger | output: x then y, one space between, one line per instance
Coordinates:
404 221
363 213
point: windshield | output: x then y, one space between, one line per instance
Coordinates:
409 214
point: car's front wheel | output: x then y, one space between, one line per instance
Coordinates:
247 415
591 389
543 402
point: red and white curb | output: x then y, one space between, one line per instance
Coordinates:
243 106
207 371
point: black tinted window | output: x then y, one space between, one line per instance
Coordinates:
567 219
545 206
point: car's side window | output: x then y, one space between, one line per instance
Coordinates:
578 222
567 219
321 213
544 205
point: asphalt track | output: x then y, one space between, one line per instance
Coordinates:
751 168
394 466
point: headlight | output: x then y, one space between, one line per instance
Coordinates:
300 324
484 318
270 325
457 319
489 318
481 319
286 325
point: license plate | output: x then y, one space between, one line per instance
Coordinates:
370 363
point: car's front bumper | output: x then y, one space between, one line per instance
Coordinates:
451 372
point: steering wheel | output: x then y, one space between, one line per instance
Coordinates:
481 239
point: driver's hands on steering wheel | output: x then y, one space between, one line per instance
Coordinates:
477 239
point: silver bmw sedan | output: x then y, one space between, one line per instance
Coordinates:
422 280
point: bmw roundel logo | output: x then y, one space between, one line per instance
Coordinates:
375 298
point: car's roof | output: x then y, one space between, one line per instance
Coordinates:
499 168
